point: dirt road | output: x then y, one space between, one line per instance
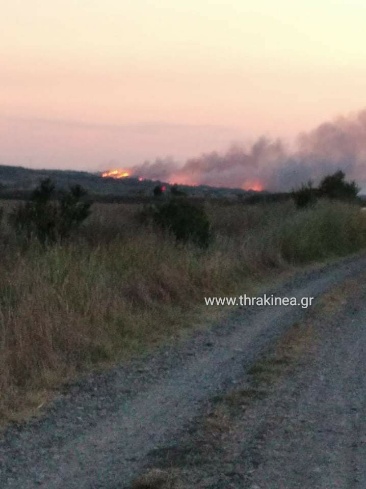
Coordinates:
272 398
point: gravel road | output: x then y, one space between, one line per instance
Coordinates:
107 429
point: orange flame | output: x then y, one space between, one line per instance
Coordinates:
255 185
116 174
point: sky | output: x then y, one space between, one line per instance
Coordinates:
94 84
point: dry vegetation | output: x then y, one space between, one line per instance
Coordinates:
120 286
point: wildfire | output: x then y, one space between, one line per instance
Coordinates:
255 185
116 174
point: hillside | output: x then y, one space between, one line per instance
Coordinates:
18 182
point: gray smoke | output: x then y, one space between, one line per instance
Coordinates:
337 145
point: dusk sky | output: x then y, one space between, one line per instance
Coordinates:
94 84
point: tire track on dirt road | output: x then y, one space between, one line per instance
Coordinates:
99 434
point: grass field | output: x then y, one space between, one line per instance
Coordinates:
119 287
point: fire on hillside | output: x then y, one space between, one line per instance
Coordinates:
254 185
116 174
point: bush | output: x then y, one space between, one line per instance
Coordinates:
73 210
47 218
186 220
335 187
305 195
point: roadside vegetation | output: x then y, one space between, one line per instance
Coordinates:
333 187
122 277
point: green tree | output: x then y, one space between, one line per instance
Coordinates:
335 187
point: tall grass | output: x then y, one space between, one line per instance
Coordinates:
121 286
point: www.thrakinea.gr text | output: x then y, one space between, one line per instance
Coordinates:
262 300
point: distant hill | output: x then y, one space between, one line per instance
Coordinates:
18 182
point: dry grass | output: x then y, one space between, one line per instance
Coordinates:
263 377
156 479
297 341
120 287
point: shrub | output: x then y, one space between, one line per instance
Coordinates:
73 210
47 218
186 220
38 216
335 187
305 195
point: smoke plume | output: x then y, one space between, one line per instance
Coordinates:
267 164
